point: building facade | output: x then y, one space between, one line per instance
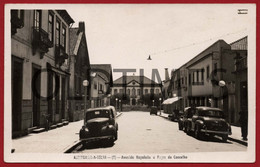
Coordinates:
40 72
101 83
136 87
80 70
217 77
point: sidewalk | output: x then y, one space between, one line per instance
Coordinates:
236 132
57 140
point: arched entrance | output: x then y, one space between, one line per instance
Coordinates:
133 102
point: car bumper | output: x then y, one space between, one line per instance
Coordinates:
215 132
90 139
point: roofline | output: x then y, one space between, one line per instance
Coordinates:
238 40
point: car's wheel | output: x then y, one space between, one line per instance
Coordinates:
197 132
224 138
188 130
84 144
180 127
115 136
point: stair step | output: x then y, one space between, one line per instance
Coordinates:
59 124
38 130
31 129
65 122
53 126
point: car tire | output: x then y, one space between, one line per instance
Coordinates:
116 136
84 144
188 130
224 138
197 132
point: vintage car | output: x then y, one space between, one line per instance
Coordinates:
154 110
175 115
210 121
99 124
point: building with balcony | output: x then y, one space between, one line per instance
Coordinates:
136 87
216 77
39 51
79 65
101 83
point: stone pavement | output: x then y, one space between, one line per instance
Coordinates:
57 140
236 132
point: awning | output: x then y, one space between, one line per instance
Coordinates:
171 100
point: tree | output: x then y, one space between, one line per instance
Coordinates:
125 99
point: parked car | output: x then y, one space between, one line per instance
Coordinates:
175 115
185 122
210 121
99 124
154 110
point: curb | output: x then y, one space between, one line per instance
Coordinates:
229 138
238 141
72 147
119 114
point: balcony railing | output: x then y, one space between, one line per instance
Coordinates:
60 55
41 41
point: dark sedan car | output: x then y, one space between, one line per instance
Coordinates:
154 110
99 124
210 121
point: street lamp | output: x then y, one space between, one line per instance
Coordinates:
116 103
85 84
120 105
153 102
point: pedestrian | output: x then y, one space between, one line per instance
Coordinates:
243 120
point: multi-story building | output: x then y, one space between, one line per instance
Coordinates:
39 48
241 79
80 70
216 77
101 83
135 87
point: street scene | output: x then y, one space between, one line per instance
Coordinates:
131 79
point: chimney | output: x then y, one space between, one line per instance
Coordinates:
166 74
81 26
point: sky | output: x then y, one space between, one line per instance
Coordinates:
124 35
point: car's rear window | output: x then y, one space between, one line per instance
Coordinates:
211 113
97 114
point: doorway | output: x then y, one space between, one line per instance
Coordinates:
17 91
63 97
36 93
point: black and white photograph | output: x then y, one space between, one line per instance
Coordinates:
118 83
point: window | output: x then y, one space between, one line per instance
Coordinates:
146 91
198 76
20 14
152 91
100 87
157 91
133 91
57 32
202 74
207 71
138 92
37 19
189 79
50 26
120 90
115 91
128 91
95 85
63 37
193 77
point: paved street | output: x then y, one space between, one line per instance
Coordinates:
141 133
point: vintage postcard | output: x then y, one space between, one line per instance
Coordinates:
130 83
